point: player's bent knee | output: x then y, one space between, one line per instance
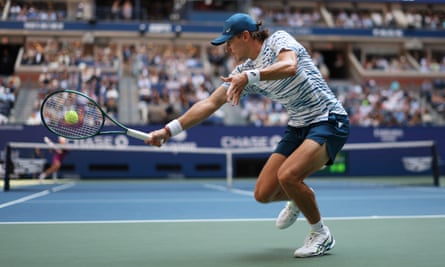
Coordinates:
287 177
290 180
261 196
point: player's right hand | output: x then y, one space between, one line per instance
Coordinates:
46 140
158 138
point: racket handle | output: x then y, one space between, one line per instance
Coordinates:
138 134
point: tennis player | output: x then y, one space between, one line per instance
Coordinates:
279 67
59 155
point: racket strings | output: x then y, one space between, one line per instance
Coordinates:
90 117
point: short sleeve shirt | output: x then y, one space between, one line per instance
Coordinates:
305 95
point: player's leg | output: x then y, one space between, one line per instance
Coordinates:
308 158
323 142
268 189
55 166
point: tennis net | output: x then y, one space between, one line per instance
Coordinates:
372 159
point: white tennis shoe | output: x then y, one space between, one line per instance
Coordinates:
316 244
287 216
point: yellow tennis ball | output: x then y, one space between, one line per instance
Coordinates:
71 117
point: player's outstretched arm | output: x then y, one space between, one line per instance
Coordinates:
196 114
49 142
203 109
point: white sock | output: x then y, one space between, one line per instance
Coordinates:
318 227
42 176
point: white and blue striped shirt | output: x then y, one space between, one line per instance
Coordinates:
306 95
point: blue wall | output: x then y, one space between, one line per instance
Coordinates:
142 165
198 27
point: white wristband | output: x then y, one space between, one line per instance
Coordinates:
175 127
253 76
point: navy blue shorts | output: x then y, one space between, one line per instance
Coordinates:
334 132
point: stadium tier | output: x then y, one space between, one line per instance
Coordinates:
366 47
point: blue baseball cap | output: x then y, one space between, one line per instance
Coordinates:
236 24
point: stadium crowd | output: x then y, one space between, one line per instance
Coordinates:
286 14
171 78
40 11
353 17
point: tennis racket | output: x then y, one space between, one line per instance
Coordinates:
90 117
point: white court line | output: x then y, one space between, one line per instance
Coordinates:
37 195
226 189
224 220
24 199
62 187
383 197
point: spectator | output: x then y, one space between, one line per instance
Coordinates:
157 110
34 118
7 101
14 10
426 118
111 99
127 10
144 91
115 10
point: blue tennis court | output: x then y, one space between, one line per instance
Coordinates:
195 222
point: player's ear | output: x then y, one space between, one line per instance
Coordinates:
246 35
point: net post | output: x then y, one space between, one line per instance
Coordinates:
8 168
435 165
229 168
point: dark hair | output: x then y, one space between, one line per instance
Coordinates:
260 35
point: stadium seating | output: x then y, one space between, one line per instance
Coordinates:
178 73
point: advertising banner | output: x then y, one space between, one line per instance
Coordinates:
187 163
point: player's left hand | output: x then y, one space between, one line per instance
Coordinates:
237 84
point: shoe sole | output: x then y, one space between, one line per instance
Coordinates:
284 226
281 227
328 247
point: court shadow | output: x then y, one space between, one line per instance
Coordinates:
267 255
276 257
